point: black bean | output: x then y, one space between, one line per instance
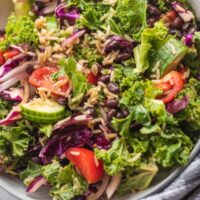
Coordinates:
153 10
80 197
111 103
113 87
120 115
111 113
177 23
104 78
125 113
151 21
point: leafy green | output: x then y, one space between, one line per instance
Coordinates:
88 53
139 114
30 173
20 31
46 129
5 106
173 147
189 117
79 81
14 140
150 39
69 184
91 13
140 180
65 182
119 156
51 23
138 91
130 15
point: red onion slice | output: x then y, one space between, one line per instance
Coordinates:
101 189
72 39
12 81
26 93
80 119
14 94
36 184
17 70
112 187
13 116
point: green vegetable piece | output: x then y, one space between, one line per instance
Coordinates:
20 30
43 111
169 55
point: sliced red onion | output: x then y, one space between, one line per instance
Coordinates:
14 94
72 39
12 81
186 15
101 189
10 64
36 184
112 187
177 105
26 93
13 116
188 40
17 70
48 8
78 120
20 49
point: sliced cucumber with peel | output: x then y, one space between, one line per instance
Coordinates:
169 55
43 111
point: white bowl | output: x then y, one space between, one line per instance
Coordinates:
15 187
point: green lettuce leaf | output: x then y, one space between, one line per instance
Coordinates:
30 173
19 31
131 16
172 148
79 81
150 39
119 156
46 129
140 180
14 140
189 117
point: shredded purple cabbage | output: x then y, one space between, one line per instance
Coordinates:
177 105
124 46
57 145
15 94
70 14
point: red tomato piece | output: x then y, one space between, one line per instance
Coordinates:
2 59
92 79
42 78
87 163
172 83
10 53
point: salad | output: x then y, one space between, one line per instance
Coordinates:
97 97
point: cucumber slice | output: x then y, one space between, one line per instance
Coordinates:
43 108
42 119
169 55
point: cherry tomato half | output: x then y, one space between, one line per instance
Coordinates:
42 77
92 79
86 162
171 84
10 54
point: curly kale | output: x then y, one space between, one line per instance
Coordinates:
20 30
